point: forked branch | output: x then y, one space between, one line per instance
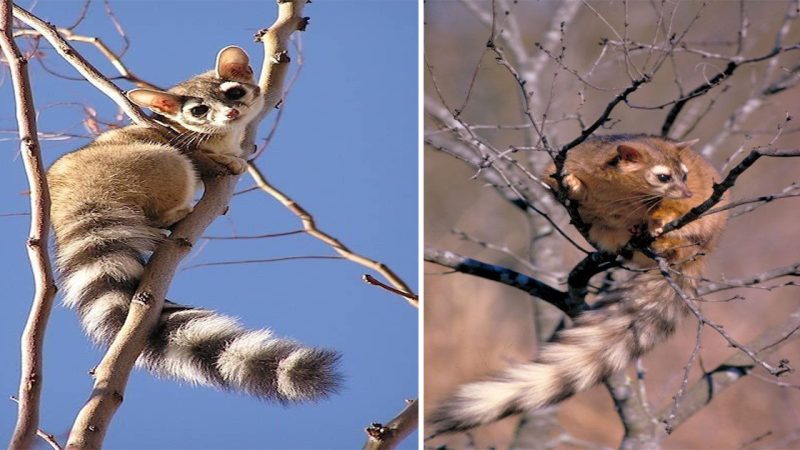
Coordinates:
310 226
112 374
49 32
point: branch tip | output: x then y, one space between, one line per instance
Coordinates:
260 34
302 24
281 57
143 298
378 431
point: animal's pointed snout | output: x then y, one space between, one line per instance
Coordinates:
232 113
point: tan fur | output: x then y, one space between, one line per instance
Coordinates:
154 176
615 199
112 202
154 179
618 194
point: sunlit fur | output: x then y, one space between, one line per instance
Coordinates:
628 320
111 203
616 195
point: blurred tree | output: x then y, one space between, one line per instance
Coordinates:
510 87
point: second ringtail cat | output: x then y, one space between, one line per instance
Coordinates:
623 184
111 203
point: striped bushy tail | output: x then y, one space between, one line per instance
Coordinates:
101 255
624 324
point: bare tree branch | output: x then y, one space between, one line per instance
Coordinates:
493 152
112 374
639 428
702 392
369 279
780 369
32 375
790 270
83 66
310 227
503 275
47 437
387 437
98 43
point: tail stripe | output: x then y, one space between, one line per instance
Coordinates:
628 322
117 267
188 344
251 353
83 252
104 317
101 254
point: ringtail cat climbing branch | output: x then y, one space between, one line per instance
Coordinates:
113 200
623 185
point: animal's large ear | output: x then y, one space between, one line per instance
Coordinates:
158 101
233 64
686 144
628 153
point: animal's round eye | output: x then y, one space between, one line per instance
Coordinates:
235 93
663 177
199 110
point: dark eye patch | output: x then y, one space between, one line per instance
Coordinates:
235 93
664 177
199 110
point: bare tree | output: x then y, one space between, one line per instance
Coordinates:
511 87
111 375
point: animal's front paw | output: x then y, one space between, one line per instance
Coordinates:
656 226
233 164
575 187
173 216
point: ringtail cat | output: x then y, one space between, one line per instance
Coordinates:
111 203
623 184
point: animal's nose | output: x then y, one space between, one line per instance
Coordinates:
232 113
687 193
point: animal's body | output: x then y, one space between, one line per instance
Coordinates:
112 202
623 184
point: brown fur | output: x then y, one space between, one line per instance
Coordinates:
613 180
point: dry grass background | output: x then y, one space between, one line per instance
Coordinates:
474 327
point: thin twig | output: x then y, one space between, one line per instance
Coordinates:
110 55
668 422
309 225
369 279
783 366
80 64
253 236
47 437
259 261
713 382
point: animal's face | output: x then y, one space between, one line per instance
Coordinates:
212 105
217 102
658 173
669 179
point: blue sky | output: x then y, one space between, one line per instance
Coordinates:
346 150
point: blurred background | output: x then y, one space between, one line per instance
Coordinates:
346 150
473 326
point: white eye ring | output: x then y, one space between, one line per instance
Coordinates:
228 85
